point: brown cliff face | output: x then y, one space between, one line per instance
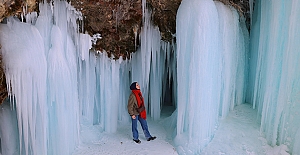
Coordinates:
3 90
15 7
116 21
164 16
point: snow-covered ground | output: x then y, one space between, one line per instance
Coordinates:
238 134
121 143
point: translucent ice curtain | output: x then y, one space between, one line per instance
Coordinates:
274 71
212 47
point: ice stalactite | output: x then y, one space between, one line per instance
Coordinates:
26 79
41 67
148 65
251 3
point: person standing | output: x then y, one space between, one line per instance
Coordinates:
137 111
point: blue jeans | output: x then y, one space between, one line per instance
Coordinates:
144 127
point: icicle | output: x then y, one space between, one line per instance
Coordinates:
135 31
23 14
27 78
251 10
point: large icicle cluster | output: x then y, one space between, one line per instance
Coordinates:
211 60
103 92
27 81
58 86
234 43
40 59
149 65
275 71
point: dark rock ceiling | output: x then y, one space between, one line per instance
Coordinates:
116 21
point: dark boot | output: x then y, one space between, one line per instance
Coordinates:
137 141
151 138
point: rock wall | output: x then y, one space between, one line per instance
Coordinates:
115 20
15 7
164 16
3 90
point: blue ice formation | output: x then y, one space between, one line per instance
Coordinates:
57 84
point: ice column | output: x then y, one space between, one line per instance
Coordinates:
124 90
26 70
198 74
148 65
62 76
42 77
276 86
211 65
102 91
234 46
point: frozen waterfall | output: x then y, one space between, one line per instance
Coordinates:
212 62
274 71
57 85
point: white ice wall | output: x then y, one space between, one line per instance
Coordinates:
197 61
276 59
40 59
211 65
234 40
26 77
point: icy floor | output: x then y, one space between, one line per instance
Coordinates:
121 143
238 134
